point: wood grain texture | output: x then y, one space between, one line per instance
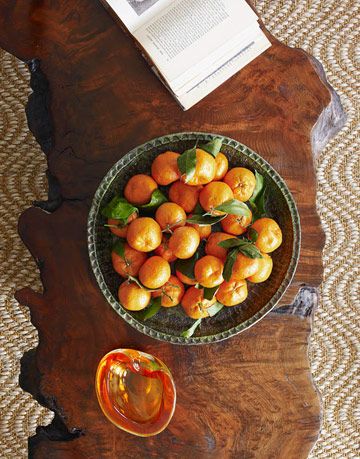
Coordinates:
94 99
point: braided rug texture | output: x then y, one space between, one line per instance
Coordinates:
328 30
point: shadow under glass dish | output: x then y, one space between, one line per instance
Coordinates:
262 297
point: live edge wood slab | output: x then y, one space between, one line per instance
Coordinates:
94 98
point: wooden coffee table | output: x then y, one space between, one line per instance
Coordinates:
94 98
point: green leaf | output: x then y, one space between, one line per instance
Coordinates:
198 209
213 147
250 251
157 198
210 292
229 263
119 209
119 248
186 267
151 310
204 219
252 235
259 206
257 200
230 243
214 309
190 331
187 163
234 207
246 247
258 187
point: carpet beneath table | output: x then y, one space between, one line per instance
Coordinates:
328 31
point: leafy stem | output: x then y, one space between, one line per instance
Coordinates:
190 331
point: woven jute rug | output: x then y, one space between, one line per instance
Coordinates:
328 30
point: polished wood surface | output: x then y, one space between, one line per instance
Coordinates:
94 99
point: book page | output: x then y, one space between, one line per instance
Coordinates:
187 31
215 60
226 71
135 13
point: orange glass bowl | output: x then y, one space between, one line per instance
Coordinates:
136 391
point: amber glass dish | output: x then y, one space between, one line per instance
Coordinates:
136 391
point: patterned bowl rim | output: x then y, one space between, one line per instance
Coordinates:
158 142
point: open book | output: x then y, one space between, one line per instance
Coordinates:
193 45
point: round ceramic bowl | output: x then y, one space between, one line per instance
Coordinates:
229 321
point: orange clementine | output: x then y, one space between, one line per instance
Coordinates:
204 170
242 182
214 194
139 189
184 195
133 297
209 271
236 224
144 234
203 230
164 168
171 293
164 251
232 293
184 241
118 228
264 271
155 272
130 264
269 234
170 216
194 304
185 279
221 166
212 247
244 267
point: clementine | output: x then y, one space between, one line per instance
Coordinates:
139 189
164 251
242 182
264 271
203 230
133 297
184 242
130 264
236 224
164 168
269 234
209 271
204 170
185 279
214 194
244 267
144 234
194 304
221 166
232 293
117 228
155 272
171 293
212 247
170 216
186 196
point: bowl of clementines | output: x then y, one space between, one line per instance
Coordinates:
193 237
